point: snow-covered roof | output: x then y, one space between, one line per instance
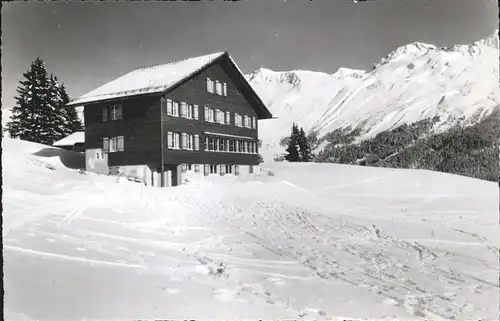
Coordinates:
76 137
148 80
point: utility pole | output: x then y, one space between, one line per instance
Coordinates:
162 169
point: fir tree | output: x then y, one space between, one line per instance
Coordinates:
71 121
37 115
27 120
305 151
293 147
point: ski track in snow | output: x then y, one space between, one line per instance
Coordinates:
266 241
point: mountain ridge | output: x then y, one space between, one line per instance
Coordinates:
413 82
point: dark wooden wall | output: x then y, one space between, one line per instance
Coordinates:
194 92
140 127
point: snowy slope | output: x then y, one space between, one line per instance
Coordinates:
414 82
334 241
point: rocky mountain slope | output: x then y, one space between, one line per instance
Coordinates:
414 82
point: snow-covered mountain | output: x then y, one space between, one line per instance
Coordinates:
414 82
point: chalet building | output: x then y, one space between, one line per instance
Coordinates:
157 123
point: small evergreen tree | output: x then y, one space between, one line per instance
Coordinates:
293 146
304 146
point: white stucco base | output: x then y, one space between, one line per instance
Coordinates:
96 161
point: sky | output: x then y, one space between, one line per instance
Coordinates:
86 44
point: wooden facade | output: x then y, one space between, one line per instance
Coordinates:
145 122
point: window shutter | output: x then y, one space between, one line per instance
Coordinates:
175 108
120 143
111 144
183 140
169 140
196 142
119 112
105 144
183 109
105 113
224 89
195 112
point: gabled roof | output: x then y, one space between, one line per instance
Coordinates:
162 78
76 137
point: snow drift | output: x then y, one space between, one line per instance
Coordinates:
333 241
414 82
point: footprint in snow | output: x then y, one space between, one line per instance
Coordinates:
277 281
223 295
172 290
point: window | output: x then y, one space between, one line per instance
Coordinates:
232 147
247 121
196 142
184 168
207 169
104 113
190 167
206 143
184 110
210 85
195 112
236 170
175 108
209 115
245 147
196 168
173 140
224 89
221 144
218 118
229 169
112 144
222 169
228 118
254 123
237 120
116 112
211 143
213 169
218 87
187 141
169 107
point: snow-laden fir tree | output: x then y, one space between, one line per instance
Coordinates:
293 146
37 115
305 151
71 122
